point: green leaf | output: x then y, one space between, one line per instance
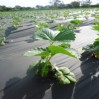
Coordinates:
96 23
43 54
96 54
66 14
39 68
42 24
65 45
76 21
64 70
72 74
2 40
64 76
64 36
61 78
96 42
93 47
57 49
71 78
50 50
45 34
35 51
59 36
96 27
16 21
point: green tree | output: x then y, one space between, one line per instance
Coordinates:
17 7
55 3
75 4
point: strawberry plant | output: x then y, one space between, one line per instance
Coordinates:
96 25
16 22
66 14
42 24
76 22
75 16
44 68
2 35
2 40
52 18
93 48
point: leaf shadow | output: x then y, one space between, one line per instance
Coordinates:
88 85
62 91
29 87
34 87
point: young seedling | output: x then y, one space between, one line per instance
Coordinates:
16 22
66 14
93 48
76 22
2 35
44 68
96 26
52 18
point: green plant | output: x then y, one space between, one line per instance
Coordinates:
2 35
96 22
76 22
42 24
2 40
44 67
75 16
96 25
87 15
52 18
16 21
70 27
93 48
66 14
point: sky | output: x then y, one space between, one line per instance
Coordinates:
33 3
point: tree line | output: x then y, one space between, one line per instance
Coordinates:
54 4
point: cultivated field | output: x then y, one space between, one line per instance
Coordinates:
69 29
